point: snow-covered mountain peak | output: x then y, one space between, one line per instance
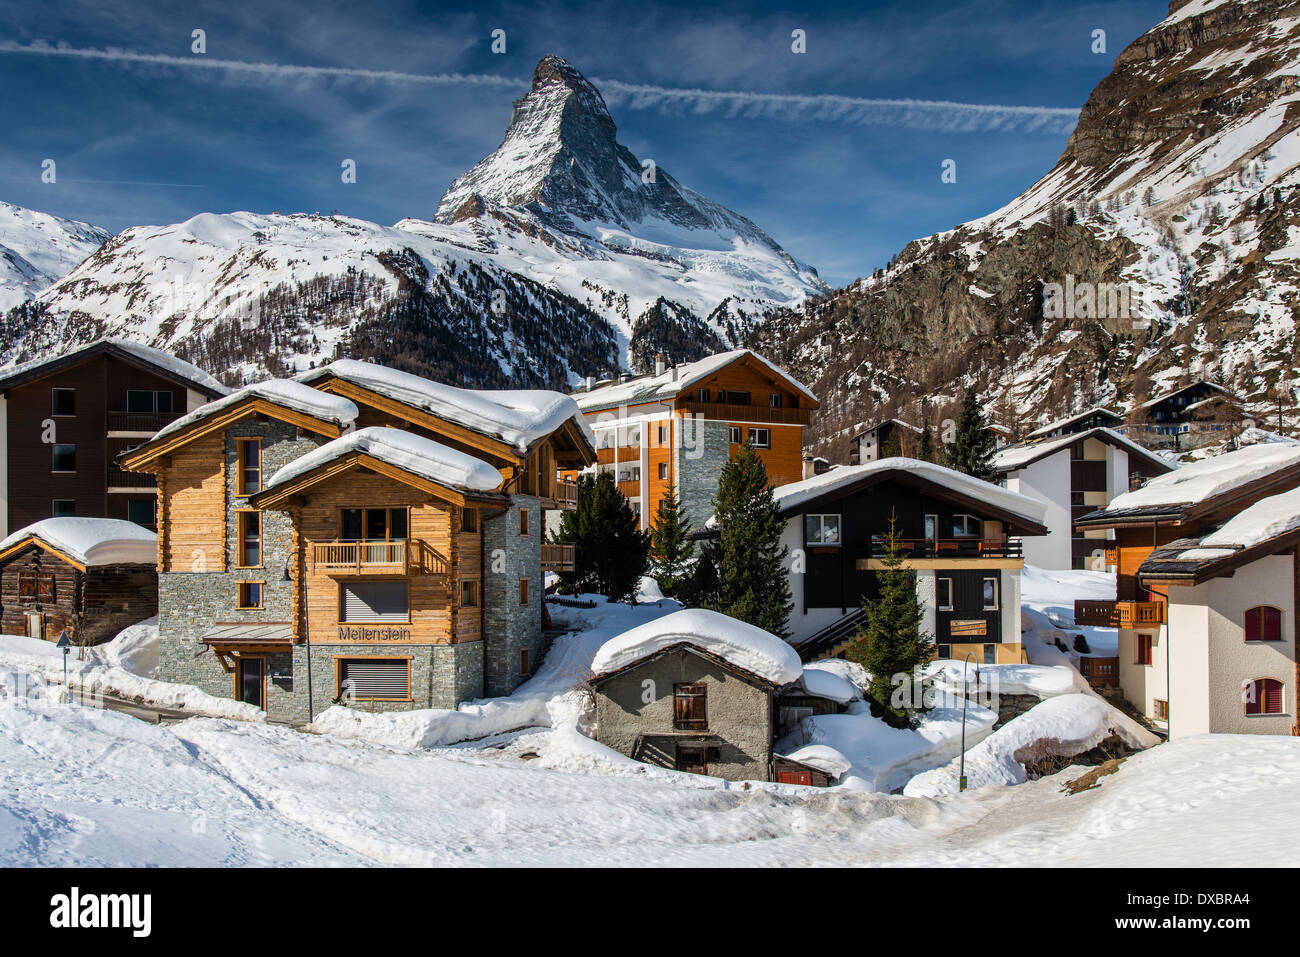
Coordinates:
36 249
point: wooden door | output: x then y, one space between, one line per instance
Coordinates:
692 758
794 777
252 672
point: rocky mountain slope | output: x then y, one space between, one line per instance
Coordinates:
37 249
552 259
1178 185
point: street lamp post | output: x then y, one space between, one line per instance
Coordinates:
965 683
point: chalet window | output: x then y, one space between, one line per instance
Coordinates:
943 594
469 520
249 528
734 435
737 398
373 524
990 654
1160 709
64 459
373 601
945 651
1076 451
63 401
375 679
630 475
774 400
821 529
990 594
760 438
1263 623
36 586
64 508
663 471
523 591
663 436
966 526
468 594
248 466
523 521
704 395
142 511
691 707
1144 643
1264 696
931 527
525 661
145 400
248 595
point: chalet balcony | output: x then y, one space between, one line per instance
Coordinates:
726 412
1119 614
141 422
566 494
557 558
951 548
120 478
403 556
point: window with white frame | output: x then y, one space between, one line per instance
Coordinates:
943 594
821 529
990 594
966 526
760 438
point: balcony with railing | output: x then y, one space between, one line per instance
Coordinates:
557 558
403 556
566 494
1119 614
728 412
141 422
951 548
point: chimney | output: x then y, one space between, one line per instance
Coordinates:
624 377
660 366
674 373
591 382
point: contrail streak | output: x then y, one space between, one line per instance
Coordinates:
821 107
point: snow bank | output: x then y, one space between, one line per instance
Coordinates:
1207 478
1063 726
414 453
1041 681
738 642
92 541
283 392
518 417
134 650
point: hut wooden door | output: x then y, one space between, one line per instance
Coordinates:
35 625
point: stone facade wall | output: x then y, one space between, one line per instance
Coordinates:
508 626
703 450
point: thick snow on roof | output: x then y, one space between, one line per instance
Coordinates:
1209 477
92 541
1014 456
652 388
823 683
414 453
283 392
1061 423
164 360
740 643
1267 518
822 757
518 417
790 497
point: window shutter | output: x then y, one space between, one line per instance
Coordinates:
1272 624
374 601
1272 696
1252 623
376 678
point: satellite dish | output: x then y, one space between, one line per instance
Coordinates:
63 641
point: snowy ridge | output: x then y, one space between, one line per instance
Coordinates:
37 249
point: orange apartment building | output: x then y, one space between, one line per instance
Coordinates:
678 427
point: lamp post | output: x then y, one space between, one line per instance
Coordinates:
63 644
961 772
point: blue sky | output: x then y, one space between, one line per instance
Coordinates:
137 141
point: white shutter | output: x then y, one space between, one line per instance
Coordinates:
374 601
375 678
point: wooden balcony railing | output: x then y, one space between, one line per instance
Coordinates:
566 494
1119 614
406 556
557 558
725 412
1100 672
141 421
951 548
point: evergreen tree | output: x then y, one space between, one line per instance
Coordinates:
610 552
892 447
974 445
750 558
925 446
700 588
890 641
670 550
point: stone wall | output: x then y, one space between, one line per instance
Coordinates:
508 626
703 450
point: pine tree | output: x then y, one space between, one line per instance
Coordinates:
925 446
610 552
700 588
750 558
890 641
973 447
670 550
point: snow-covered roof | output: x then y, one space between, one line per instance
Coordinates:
155 357
747 647
1191 385
654 388
821 683
899 422
1062 423
282 392
413 453
1017 456
822 757
790 497
1267 518
92 541
518 417
1209 477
